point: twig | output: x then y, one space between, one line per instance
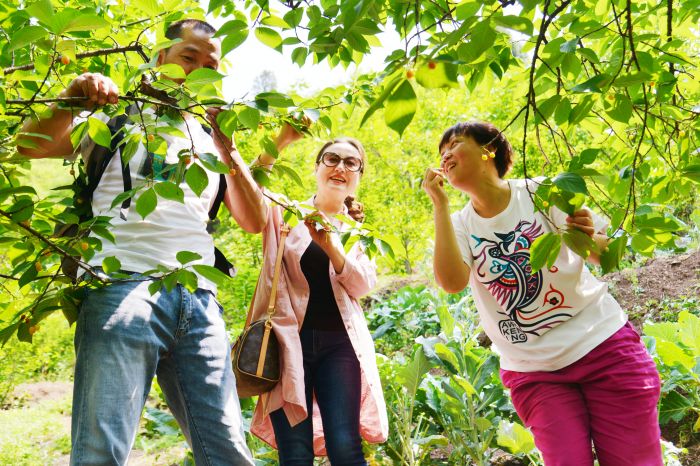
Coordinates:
94 53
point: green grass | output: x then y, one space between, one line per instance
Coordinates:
36 435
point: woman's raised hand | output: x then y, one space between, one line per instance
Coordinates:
433 184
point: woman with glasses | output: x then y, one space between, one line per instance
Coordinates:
329 396
577 371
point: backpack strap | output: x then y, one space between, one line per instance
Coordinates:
220 261
100 157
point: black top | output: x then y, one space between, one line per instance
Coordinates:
322 311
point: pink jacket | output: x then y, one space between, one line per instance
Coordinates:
357 278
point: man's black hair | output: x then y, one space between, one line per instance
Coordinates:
174 30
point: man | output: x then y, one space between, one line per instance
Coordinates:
124 336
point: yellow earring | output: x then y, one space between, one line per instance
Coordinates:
487 154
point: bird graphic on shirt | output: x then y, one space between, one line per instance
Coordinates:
510 280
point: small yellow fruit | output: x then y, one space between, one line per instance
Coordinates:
84 246
652 84
681 133
611 97
545 204
65 60
484 157
33 329
151 138
232 172
492 155
431 65
409 74
37 266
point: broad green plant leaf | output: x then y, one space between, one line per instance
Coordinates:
515 438
99 132
544 251
400 107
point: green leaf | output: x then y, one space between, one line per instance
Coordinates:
516 23
579 242
111 264
155 287
515 438
293 17
299 55
571 182
188 279
412 373
185 257
99 132
631 79
250 117
201 77
596 84
197 179
544 250
614 251
172 71
692 172
211 273
379 101
233 40
269 37
481 39
170 191
84 22
26 35
690 331
275 99
212 163
400 107
437 74
622 111
146 202
581 110
674 406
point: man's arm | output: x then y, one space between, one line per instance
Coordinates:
451 273
97 90
243 196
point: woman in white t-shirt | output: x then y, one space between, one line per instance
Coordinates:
576 369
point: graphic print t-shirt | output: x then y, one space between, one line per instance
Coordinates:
143 244
542 321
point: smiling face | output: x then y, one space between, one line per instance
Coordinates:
198 49
461 161
338 180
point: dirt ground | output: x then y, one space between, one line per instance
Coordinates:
639 290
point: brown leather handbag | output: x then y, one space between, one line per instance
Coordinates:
255 355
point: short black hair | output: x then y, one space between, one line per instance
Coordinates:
487 135
174 30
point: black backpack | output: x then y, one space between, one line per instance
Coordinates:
86 184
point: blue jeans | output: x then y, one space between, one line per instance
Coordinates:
331 372
123 337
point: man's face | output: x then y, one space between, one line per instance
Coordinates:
197 50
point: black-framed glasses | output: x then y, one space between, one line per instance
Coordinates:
331 159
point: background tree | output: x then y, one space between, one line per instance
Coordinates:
600 97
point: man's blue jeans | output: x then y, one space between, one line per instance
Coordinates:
123 337
331 372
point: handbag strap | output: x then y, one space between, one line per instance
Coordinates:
284 231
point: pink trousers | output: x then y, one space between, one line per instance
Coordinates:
608 397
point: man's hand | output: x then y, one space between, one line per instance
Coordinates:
434 185
97 88
582 220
